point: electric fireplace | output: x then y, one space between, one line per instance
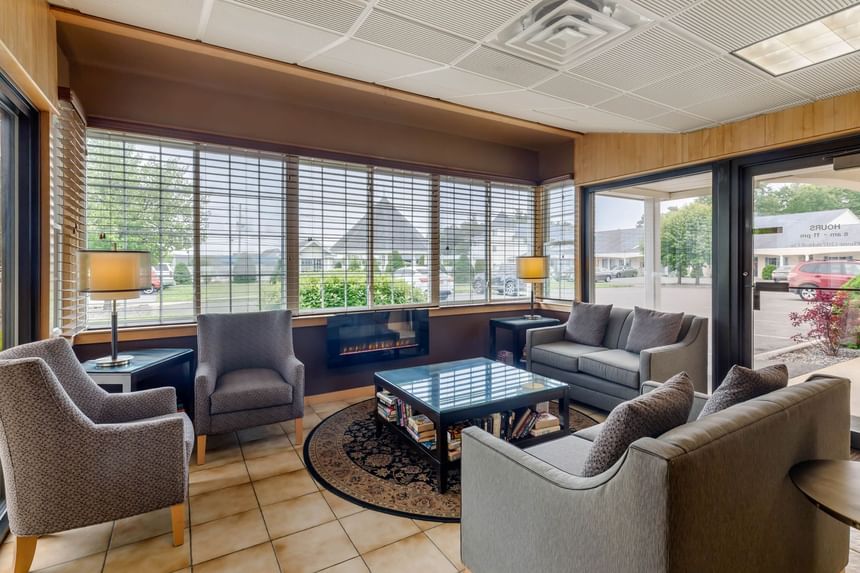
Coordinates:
355 338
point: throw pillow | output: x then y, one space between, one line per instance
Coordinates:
587 323
648 415
742 384
651 329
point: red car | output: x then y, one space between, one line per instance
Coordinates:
156 283
806 278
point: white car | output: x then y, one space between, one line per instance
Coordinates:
419 277
164 271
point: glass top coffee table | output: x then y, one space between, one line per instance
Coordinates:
459 391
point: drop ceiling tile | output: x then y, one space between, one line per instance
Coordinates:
368 62
704 82
401 34
648 57
473 18
512 102
577 90
505 67
734 24
664 7
180 18
337 15
254 32
590 119
679 121
767 96
838 76
449 83
633 107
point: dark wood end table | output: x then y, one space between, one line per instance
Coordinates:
833 486
517 325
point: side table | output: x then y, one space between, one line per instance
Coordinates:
833 486
147 363
517 325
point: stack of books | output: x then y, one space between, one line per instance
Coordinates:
387 405
545 424
423 430
454 441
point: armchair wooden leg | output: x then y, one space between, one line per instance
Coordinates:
300 434
177 519
201 450
25 549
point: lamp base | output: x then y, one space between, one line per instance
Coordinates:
109 362
532 316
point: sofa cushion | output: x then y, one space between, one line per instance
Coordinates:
248 389
651 329
567 454
562 355
742 384
587 323
590 433
617 366
648 415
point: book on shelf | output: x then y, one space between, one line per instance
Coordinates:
546 420
386 397
536 433
423 436
454 455
421 423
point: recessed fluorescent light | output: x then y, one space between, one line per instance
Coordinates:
824 39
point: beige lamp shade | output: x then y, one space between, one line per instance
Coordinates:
114 275
532 269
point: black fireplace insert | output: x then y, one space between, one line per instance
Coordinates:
355 338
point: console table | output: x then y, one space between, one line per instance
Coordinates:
517 325
833 486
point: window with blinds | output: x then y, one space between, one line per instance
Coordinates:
511 236
463 238
557 222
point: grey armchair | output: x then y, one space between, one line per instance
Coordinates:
247 374
74 455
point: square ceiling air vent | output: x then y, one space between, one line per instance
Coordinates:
561 31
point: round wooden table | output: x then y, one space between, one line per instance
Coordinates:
833 486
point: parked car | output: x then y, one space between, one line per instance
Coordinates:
624 272
602 276
165 274
419 278
780 274
156 283
805 279
504 282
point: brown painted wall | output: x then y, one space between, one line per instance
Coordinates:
451 338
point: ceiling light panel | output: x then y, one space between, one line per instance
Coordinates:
337 15
646 58
564 31
634 107
734 24
505 67
768 96
474 19
698 84
824 39
252 31
449 83
401 34
577 90
828 78
363 61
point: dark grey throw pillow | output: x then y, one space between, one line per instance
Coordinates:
648 415
742 384
652 328
587 323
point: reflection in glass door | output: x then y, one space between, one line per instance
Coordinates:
652 245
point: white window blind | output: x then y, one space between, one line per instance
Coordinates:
511 236
463 236
242 237
558 229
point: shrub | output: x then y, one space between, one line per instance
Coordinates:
182 275
767 272
351 291
827 319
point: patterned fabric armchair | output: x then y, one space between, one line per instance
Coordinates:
74 455
247 374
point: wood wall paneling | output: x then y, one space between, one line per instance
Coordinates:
28 49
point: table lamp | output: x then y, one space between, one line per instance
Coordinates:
532 270
113 275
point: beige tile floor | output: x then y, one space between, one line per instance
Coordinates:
253 508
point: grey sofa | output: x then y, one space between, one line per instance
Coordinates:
604 376
247 374
74 455
713 495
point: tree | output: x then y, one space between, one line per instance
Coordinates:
182 275
395 261
685 240
136 201
803 198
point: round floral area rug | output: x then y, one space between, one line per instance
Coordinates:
386 473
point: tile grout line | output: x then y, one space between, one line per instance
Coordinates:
445 555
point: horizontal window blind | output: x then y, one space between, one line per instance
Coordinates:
242 236
400 235
558 230
511 236
463 236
